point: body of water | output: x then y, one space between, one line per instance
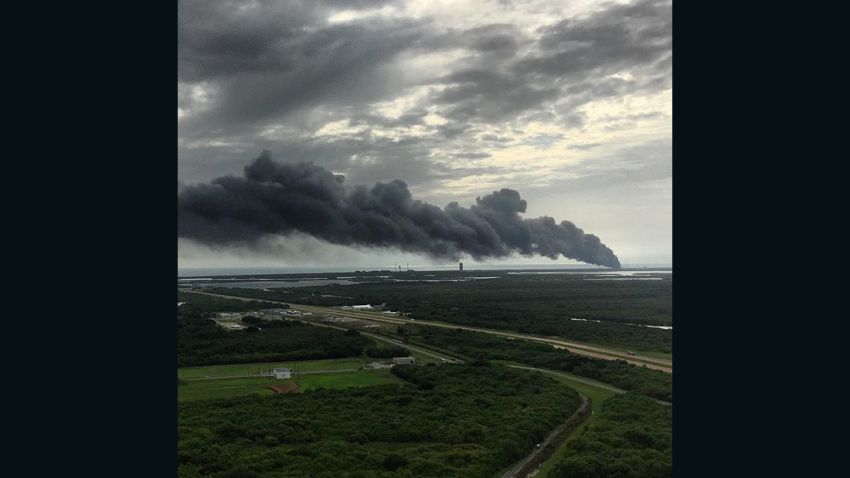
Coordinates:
604 272
273 284
344 269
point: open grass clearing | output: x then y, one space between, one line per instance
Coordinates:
235 387
238 370
223 388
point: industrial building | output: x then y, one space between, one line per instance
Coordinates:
377 365
282 373
404 360
231 315
378 307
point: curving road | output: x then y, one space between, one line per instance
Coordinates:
544 445
423 351
544 449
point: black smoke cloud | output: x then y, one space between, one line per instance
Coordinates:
279 198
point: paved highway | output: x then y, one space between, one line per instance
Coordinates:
577 348
593 351
581 349
423 351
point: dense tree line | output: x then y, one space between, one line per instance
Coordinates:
200 341
631 437
200 304
448 421
260 323
387 351
535 304
478 346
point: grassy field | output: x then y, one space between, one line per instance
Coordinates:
236 370
243 369
234 387
453 420
223 388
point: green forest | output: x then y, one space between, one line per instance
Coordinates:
446 421
200 341
471 420
534 304
478 346
198 304
630 437
388 351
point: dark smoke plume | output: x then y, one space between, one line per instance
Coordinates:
277 198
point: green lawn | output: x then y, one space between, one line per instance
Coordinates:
223 388
235 370
234 387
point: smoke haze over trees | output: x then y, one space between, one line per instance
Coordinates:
274 198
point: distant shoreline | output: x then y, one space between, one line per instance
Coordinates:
284 272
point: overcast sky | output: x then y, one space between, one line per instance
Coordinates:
568 102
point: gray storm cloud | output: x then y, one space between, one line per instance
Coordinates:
276 199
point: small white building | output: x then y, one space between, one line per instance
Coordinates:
231 315
282 373
377 365
404 360
377 307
